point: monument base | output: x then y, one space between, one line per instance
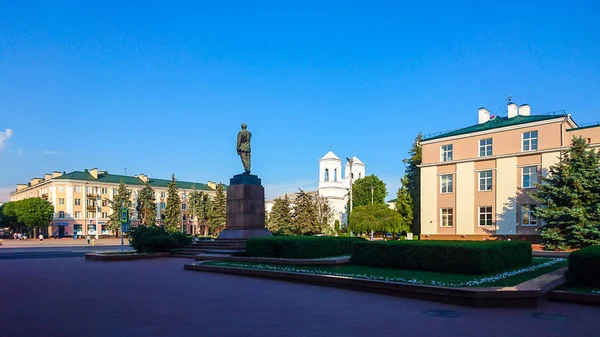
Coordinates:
245 209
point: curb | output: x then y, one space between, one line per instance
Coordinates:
292 262
125 257
574 297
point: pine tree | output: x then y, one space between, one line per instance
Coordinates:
413 173
404 203
195 205
570 199
324 214
204 212
146 206
121 199
173 209
304 217
217 215
280 219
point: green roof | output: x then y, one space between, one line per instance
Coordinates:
128 180
497 122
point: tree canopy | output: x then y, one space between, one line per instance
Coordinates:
404 203
280 219
217 216
413 175
173 210
146 206
361 191
30 213
377 218
121 199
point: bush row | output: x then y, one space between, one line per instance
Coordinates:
153 239
584 266
464 257
300 247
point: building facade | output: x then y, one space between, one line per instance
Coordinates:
81 199
476 181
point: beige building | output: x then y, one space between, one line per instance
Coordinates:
81 199
475 181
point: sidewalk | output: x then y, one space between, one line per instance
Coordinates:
30 243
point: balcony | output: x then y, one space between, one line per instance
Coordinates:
45 196
91 208
92 195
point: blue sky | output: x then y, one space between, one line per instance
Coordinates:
162 87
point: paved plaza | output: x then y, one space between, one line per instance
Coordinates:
74 297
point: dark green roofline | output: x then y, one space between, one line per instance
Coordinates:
128 180
586 126
498 122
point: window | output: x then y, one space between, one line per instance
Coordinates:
78 214
163 205
183 195
530 176
485 147
114 191
334 174
77 202
87 189
184 217
530 141
104 190
485 180
446 183
61 201
104 215
527 216
91 229
446 152
183 206
77 189
61 214
359 175
87 214
163 194
485 216
104 203
326 178
61 188
446 217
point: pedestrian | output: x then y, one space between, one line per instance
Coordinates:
41 238
88 239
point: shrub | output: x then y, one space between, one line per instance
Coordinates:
584 266
300 247
465 257
152 239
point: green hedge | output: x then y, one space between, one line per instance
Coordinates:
584 266
300 247
464 257
153 239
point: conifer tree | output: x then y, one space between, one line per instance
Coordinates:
280 219
204 212
146 206
195 203
413 173
217 214
570 199
121 199
404 203
304 217
173 209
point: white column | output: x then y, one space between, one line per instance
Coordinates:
429 211
54 199
70 202
465 198
506 193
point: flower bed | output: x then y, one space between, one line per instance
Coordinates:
122 256
511 277
300 247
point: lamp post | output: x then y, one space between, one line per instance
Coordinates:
350 161
372 191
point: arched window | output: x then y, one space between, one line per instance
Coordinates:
326 175
359 175
335 175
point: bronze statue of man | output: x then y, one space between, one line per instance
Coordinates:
243 147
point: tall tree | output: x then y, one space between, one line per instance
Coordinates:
304 217
413 173
361 191
217 215
8 214
404 203
31 214
146 206
324 214
195 203
280 219
204 212
570 199
377 218
173 211
121 199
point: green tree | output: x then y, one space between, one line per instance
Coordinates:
361 191
570 199
121 199
204 212
146 206
194 204
8 214
324 214
31 213
377 218
217 215
173 212
404 204
305 216
336 226
413 173
280 219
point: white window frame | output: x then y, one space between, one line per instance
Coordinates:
183 207
485 179
77 214
533 176
531 135
104 215
61 188
446 153
77 202
104 190
61 214
163 194
485 147
488 216
449 217
61 201
77 189
528 209
446 184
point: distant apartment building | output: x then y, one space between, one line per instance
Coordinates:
81 199
476 181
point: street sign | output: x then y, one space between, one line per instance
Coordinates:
124 215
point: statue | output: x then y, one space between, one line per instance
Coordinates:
243 147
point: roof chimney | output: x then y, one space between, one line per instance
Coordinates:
484 115
524 110
94 173
47 176
56 174
513 110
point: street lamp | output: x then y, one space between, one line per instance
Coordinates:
350 161
372 191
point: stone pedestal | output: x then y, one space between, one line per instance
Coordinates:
245 208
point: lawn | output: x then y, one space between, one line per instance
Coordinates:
507 278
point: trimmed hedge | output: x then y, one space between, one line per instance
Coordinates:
300 247
584 266
462 257
153 239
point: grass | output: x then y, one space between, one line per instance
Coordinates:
579 289
505 279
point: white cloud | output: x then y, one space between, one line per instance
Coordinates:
4 136
276 190
50 153
5 191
